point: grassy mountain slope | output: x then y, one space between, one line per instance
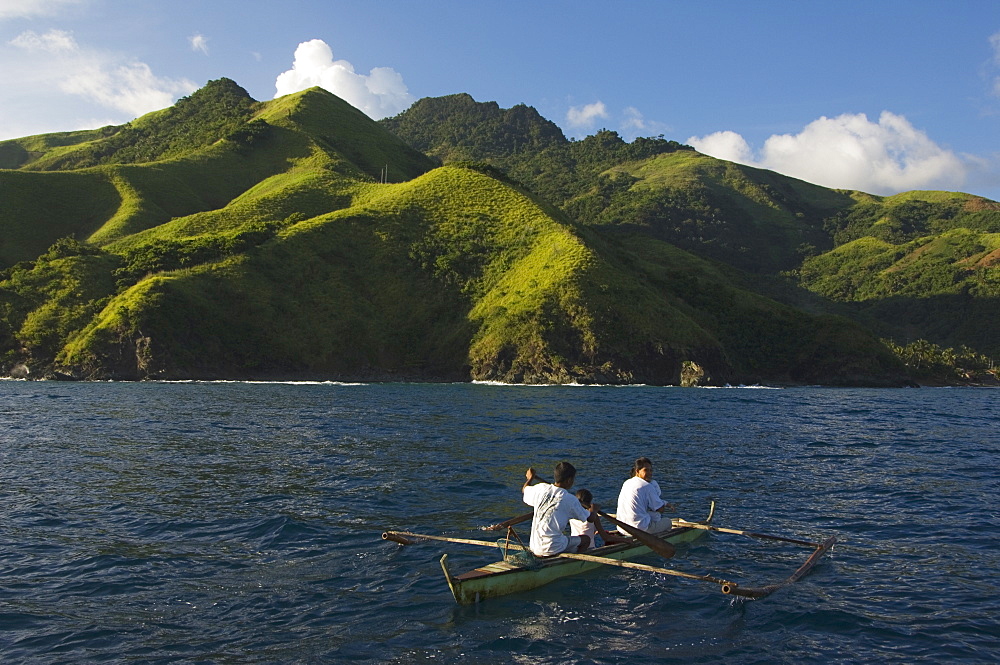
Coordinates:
393 286
943 287
40 208
341 293
755 219
106 203
18 153
765 224
193 122
451 275
337 128
285 139
763 340
264 243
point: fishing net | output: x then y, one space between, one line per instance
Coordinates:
516 554
517 557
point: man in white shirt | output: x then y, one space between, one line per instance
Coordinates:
554 507
639 502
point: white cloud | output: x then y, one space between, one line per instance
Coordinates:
199 43
131 87
53 41
633 119
634 124
995 46
585 116
42 69
630 123
849 152
31 8
379 94
724 145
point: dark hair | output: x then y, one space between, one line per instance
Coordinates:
585 497
564 471
640 463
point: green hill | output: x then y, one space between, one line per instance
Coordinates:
754 219
452 275
457 127
788 233
194 122
230 156
296 238
920 265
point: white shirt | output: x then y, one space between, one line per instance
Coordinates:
581 528
554 507
637 501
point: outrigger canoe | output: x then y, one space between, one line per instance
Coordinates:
505 577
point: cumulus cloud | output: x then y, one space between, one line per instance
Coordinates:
585 116
55 61
199 43
724 145
378 94
31 8
849 152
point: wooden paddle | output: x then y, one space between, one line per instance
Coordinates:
658 545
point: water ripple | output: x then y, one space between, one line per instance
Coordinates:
239 523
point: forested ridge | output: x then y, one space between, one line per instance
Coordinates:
229 238
919 268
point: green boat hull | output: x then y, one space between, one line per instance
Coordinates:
502 578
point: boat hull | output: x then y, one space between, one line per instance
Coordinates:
502 578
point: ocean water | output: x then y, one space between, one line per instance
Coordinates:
241 523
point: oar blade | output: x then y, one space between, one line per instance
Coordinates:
658 545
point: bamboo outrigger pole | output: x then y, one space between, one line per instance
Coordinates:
642 566
408 538
727 587
761 592
511 522
741 532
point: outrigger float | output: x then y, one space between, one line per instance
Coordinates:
519 572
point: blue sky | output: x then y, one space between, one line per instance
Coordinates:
882 96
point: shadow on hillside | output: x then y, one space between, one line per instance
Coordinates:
948 320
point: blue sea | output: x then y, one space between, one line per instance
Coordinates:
242 522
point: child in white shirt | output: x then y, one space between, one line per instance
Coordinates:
594 528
